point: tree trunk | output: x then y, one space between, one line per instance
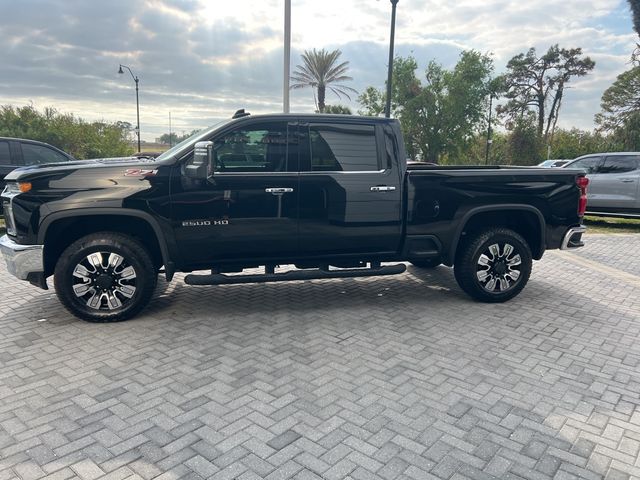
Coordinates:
321 97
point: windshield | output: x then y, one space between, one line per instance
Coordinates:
186 143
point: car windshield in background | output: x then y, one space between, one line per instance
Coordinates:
553 163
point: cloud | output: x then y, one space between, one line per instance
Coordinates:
203 59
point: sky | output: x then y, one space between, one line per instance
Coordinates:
201 60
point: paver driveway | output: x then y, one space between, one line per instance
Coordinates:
396 377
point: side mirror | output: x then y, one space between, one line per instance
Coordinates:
202 158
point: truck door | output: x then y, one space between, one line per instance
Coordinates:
618 179
248 207
350 192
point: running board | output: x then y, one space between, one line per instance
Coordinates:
222 279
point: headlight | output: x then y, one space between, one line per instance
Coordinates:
10 191
13 189
8 216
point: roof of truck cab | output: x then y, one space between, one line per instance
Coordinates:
316 116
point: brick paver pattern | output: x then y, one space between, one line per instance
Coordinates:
382 378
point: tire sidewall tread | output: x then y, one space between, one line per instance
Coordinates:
465 269
129 248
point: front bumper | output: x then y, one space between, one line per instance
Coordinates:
23 261
573 238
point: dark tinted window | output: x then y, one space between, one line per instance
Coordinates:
589 164
619 164
5 155
258 148
37 154
350 148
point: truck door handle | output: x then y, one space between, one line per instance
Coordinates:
383 188
278 190
627 180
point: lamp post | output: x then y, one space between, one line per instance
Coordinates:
137 80
489 139
287 55
387 110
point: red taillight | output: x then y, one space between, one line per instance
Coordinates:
582 183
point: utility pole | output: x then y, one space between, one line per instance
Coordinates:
387 110
489 140
287 55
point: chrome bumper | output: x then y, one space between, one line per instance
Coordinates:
21 259
573 238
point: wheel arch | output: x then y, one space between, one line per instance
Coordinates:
526 220
59 230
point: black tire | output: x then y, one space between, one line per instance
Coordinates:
114 271
491 279
426 263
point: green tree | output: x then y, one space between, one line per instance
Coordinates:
621 101
168 138
320 70
174 138
574 143
337 110
440 116
635 11
67 132
536 83
475 152
523 145
372 101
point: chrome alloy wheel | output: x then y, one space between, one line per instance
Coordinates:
104 280
498 267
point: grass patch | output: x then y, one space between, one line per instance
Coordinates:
611 225
3 228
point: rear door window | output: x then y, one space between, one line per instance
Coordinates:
343 148
619 164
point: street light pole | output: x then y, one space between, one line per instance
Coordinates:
137 80
387 110
489 140
287 55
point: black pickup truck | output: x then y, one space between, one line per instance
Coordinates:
332 195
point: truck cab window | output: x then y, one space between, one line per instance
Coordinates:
337 148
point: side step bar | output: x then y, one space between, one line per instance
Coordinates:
222 279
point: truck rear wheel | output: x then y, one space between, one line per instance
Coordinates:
105 277
494 265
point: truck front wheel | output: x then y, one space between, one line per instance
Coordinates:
105 277
493 265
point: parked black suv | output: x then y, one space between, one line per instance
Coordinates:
17 152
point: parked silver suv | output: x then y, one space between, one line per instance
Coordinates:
614 180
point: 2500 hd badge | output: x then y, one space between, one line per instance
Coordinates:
204 223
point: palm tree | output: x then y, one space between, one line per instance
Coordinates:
321 71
